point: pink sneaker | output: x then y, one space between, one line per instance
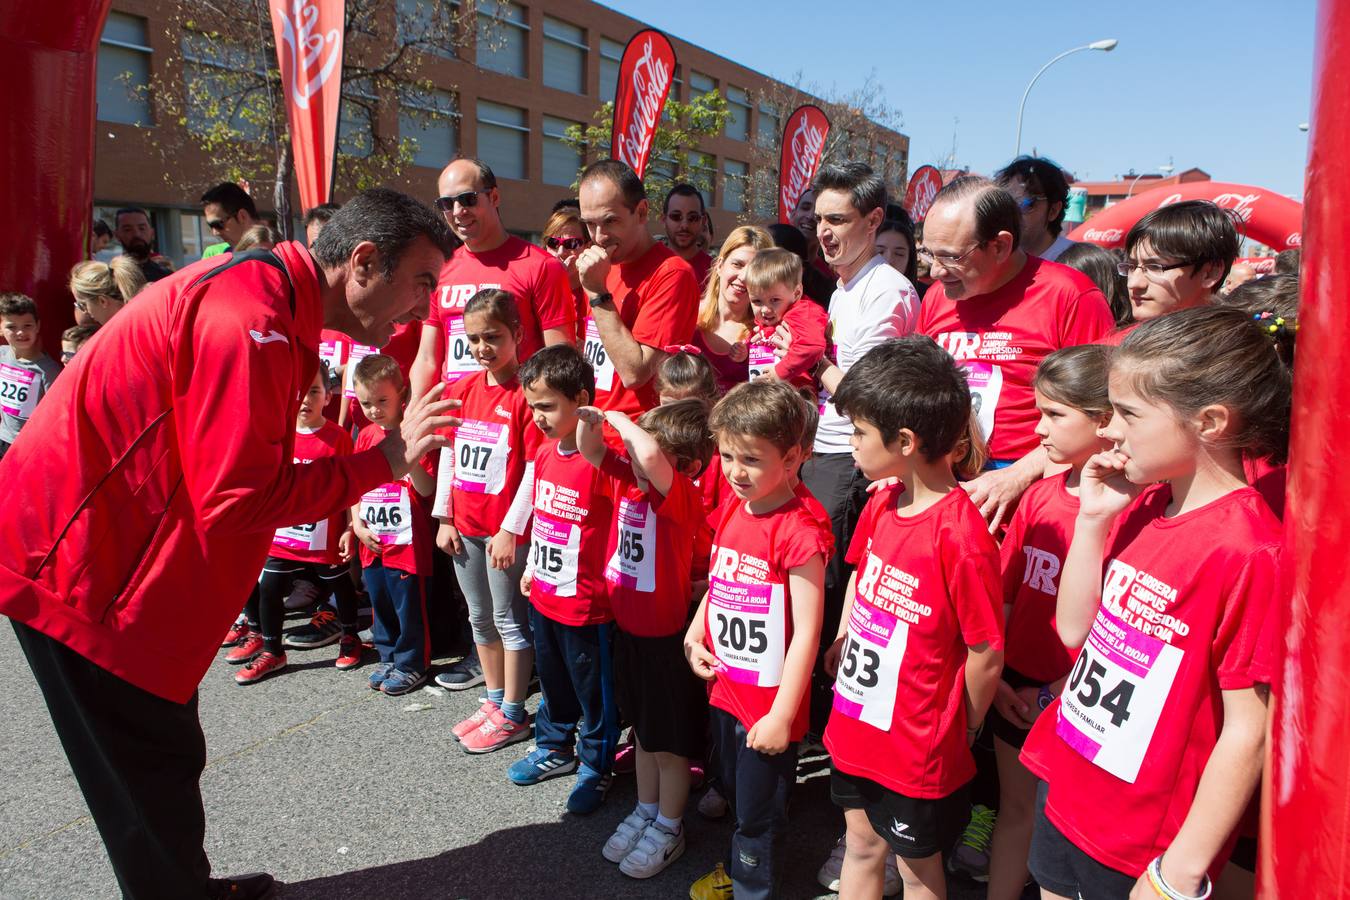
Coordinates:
473 722
494 734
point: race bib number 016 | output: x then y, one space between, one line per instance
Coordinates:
459 360
869 667
633 564
747 624
555 548
1115 695
387 513
18 390
596 355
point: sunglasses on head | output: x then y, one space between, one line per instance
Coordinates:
571 243
466 200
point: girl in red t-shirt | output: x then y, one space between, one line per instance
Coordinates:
1155 747
483 498
1071 395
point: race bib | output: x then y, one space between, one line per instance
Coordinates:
1115 694
481 452
869 667
359 352
387 513
312 537
633 564
458 360
18 390
761 358
331 352
986 383
747 623
596 355
555 548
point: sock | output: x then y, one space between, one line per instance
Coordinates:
671 825
513 710
497 697
272 645
649 810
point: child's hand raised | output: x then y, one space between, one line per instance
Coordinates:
1104 491
591 415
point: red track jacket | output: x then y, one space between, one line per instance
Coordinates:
145 490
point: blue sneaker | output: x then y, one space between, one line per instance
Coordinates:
541 764
400 682
589 792
380 673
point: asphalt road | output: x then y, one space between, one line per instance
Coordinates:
342 792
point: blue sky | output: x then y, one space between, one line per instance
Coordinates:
1219 84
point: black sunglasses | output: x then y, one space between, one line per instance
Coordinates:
467 199
572 243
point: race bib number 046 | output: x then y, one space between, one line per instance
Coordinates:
388 514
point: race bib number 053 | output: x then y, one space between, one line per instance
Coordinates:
869 667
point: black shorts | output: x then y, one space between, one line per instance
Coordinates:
912 828
321 573
659 695
1000 727
1061 868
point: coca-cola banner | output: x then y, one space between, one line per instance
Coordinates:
1260 214
645 76
803 145
309 51
923 187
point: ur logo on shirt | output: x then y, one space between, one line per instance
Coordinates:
454 296
960 344
1041 571
560 502
732 566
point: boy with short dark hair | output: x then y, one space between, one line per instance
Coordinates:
26 371
73 338
1177 257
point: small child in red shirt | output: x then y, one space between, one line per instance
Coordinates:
755 634
774 281
919 647
391 526
650 551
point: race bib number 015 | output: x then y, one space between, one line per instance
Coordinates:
747 624
869 667
1115 695
596 355
555 548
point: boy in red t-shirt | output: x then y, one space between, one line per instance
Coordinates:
650 552
755 633
569 604
774 281
919 648
392 526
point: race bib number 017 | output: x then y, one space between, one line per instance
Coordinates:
747 624
481 452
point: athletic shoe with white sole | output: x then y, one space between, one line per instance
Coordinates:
626 836
541 765
658 848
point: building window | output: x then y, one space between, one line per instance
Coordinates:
356 119
429 25
124 71
431 121
734 183
562 162
770 129
611 57
701 172
226 87
700 84
503 37
738 123
676 92
564 56
502 136
193 235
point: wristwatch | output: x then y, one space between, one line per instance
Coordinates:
1043 697
606 297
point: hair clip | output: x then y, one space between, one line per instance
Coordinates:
1276 323
682 348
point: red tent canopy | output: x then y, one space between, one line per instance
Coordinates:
1268 217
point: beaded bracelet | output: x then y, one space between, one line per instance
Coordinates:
1167 892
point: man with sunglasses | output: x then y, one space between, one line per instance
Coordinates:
489 258
999 311
685 218
229 212
1042 196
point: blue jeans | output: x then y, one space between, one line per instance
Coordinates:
576 678
399 601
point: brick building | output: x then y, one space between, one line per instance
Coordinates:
549 64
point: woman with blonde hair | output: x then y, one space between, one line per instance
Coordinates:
259 237
724 319
565 237
101 289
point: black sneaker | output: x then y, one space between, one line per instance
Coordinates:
323 629
254 886
465 674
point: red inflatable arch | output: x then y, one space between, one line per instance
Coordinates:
1270 218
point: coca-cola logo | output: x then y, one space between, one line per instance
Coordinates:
650 82
310 68
1295 239
1104 235
1241 204
805 146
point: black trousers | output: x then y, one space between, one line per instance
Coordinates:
138 759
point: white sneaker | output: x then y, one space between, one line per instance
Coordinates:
712 805
658 848
828 876
626 836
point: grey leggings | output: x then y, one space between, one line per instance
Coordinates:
497 611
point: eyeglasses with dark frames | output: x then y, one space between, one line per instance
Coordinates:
468 200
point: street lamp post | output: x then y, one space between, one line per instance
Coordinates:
1165 169
1106 45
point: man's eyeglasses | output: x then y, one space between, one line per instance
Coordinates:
468 199
1152 270
692 218
947 262
571 243
1026 203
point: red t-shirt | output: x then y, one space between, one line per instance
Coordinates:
702 265
496 439
1033 552
657 299
1269 480
813 506
748 620
713 489
649 552
315 542
1001 337
573 515
808 323
1115 338
399 516
537 281
1184 602
927 589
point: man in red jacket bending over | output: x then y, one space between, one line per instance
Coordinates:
160 464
